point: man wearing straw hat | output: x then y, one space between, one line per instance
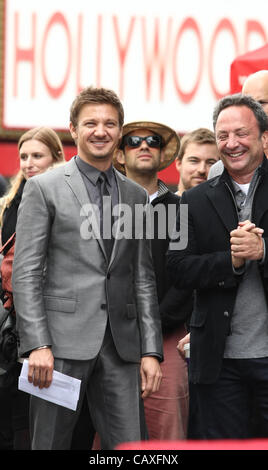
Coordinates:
146 148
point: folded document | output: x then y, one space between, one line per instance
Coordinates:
64 390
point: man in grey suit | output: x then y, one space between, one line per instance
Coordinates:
86 302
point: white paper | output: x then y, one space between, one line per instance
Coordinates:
64 390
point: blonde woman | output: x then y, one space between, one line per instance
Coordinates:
39 149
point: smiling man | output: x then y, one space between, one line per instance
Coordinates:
255 85
86 307
226 262
198 152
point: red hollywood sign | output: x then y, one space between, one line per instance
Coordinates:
159 52
174 94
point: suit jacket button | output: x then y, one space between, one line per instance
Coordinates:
103 306
221 283
226 314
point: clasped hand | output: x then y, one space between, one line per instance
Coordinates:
246 243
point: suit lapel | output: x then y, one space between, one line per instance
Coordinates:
260 200
122 198
74 179
217 194
224 206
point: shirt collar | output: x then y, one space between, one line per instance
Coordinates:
92 173
253 181
162 188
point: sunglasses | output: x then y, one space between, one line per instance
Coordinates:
135 141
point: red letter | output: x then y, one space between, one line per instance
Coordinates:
79 53
122 50
24 55
254 26
56 18
155 56
189 23
99 44
223 24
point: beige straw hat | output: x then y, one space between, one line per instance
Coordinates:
171 142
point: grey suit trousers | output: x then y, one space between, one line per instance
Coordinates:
113 392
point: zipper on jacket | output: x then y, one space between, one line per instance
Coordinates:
233 198
237 213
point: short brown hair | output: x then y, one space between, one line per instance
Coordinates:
91 95
199 136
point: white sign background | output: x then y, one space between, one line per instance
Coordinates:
168 61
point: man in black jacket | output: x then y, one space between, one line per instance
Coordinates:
147 148
226 262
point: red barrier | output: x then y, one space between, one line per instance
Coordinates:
251 444
247 64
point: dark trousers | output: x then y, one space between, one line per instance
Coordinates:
84 430
237 403
194 430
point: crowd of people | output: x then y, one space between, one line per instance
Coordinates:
105 290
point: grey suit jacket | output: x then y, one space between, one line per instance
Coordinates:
65 289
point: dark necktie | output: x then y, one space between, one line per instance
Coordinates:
106 220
